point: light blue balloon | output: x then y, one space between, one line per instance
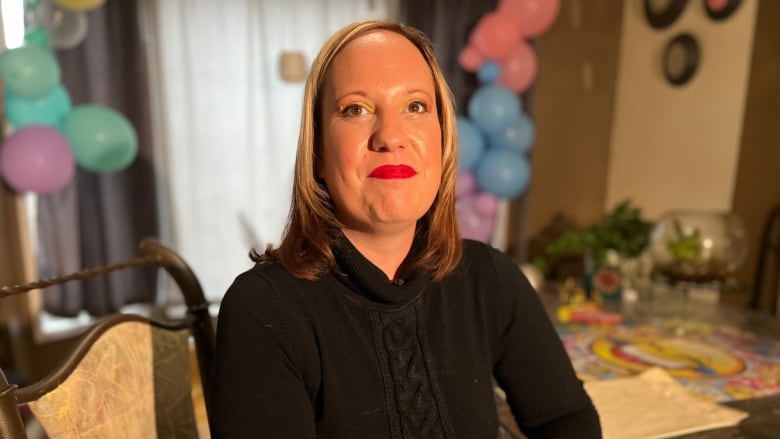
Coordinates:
29 71
102 139
471 143
517 136
488 72
493 108
503 172
48 110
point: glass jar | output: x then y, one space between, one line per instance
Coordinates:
698 246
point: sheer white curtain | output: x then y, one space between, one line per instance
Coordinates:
228 123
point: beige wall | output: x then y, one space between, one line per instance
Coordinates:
677 147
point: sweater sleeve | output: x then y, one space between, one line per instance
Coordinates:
258 384
532 367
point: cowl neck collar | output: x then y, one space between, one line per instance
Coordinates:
365 278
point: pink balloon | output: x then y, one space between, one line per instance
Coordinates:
717 5
495 35
519 68
470 59
37 158
471 224
486 204
532 17
465 184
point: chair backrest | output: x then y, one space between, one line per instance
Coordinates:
768 258
128 376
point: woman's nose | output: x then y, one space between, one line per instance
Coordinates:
388 133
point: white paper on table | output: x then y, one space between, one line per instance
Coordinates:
654 405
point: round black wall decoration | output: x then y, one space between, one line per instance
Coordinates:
662 13
721 9
681 59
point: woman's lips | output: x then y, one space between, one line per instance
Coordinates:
392 171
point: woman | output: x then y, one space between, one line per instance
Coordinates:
372 319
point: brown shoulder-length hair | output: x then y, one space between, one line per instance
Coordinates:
305 250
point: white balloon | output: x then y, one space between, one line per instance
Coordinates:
66 28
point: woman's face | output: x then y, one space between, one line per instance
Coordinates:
380 134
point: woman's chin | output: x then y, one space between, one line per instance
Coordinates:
400 216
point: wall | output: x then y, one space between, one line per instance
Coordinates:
613 139
757 186
572 110
677 147
13 315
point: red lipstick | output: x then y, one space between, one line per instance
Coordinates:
392 171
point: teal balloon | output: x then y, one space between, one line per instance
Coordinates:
31 5
102 139
29 71
38 36
48 110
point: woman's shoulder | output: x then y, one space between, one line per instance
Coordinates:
267 272
259 275
473 246
493 267
476 253
263 281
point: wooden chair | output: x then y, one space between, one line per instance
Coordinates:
768 258
128 376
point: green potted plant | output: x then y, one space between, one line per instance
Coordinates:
623 232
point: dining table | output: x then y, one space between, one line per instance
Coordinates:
704 337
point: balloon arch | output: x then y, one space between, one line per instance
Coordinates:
496 135
49 135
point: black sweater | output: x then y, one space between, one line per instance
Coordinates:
353 355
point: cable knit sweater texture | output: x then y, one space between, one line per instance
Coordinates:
353 355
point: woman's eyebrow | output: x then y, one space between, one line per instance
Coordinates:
351 93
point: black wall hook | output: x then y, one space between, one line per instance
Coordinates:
660 18
689 47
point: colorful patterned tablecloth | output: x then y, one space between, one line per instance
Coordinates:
722 362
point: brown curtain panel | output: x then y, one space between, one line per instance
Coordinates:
100 218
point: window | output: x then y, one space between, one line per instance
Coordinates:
227 123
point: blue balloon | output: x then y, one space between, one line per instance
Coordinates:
471 143
50 109
493 108
503 172
489 72
517 136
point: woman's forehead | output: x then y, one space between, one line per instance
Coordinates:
376 56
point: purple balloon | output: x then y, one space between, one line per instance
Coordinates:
37 158
465 184
472 225
485 204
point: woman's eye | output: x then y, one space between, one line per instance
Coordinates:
353 110
418 107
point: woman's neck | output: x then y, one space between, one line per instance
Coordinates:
386 251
